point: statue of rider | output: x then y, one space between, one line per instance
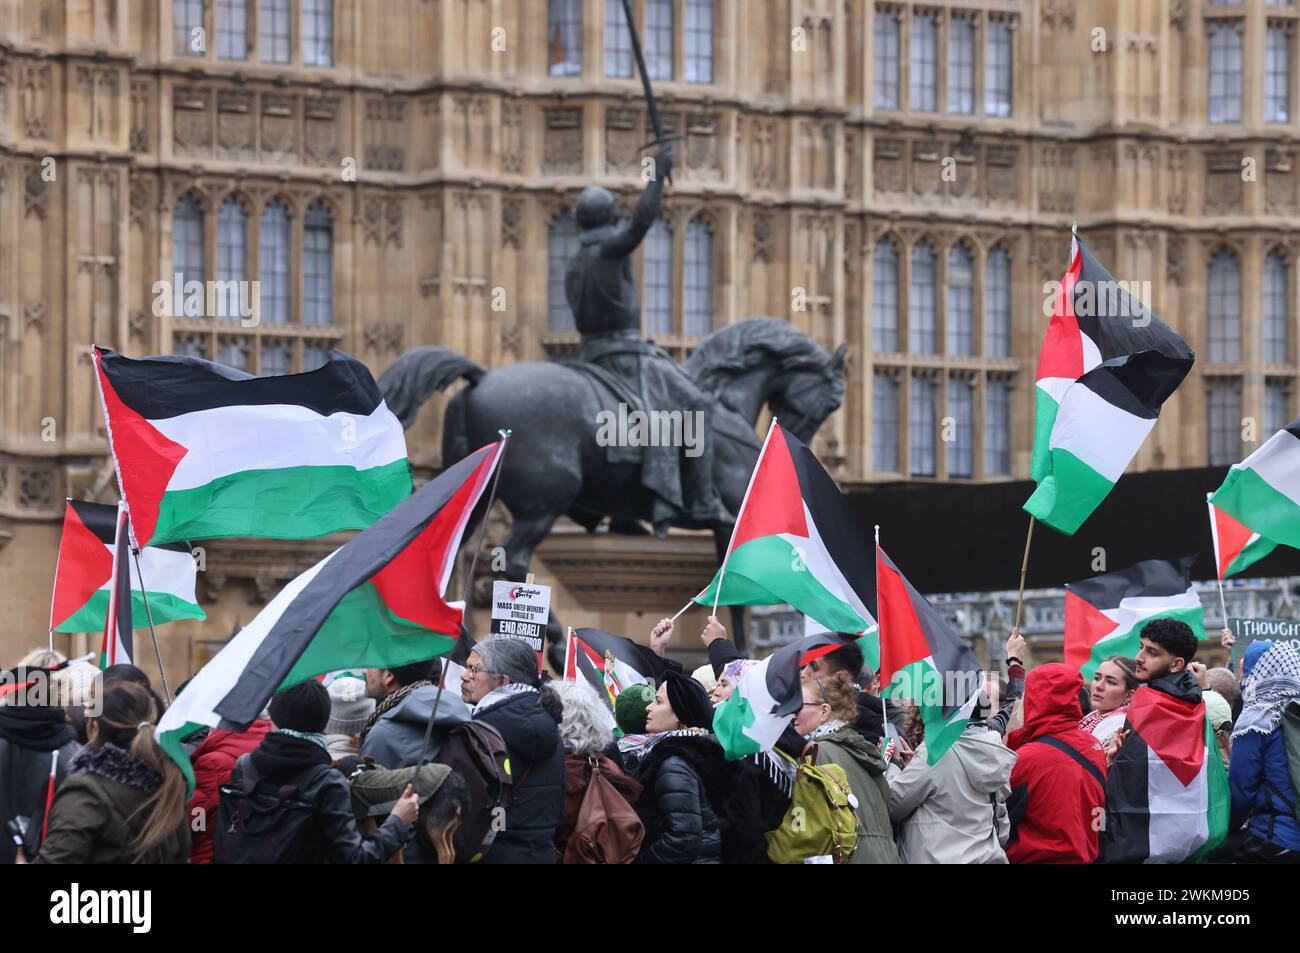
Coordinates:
606 306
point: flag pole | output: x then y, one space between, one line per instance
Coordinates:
722 573
1024 568
1218 572
153 633
884 717
469 583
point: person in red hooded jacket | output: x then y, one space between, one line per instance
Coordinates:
1058 786
213 761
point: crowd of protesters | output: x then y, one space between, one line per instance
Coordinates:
517 768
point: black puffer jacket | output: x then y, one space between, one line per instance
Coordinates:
29 736
537 756
333 837
681 824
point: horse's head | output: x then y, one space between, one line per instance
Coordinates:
808 394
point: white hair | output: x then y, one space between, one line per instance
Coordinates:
587 726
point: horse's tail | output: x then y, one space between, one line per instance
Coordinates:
413 378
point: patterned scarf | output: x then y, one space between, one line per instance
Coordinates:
654 739
1274 682
315 736
391 701
500 694
1094 718
825 728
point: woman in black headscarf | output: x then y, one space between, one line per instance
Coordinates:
689 786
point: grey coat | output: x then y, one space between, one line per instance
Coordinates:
394 740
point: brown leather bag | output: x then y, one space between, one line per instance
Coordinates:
608 830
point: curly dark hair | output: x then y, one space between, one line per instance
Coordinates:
1172 635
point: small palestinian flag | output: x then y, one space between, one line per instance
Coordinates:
922 658
1107 366
205 451
1104 615
1167 796
119 644
610 663
376 602
796 541
1235 547
85 565
1262 495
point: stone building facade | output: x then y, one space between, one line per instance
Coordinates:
899 176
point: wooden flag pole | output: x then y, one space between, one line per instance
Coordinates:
1024 568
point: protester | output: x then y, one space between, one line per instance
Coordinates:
586 733
1252 654
393 734
704 675
1263 796
314 824
213 761
1224 682
1058 784
1006 701
74 685
1113 686
124 799
350 709
1219 714
954 812
729 679
683 773
629 713
501 685
443 802
36 749
830 707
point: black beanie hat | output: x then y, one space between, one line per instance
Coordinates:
305 707
689 700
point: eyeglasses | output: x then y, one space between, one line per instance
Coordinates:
478 669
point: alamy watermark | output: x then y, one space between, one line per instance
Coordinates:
652 428
228 300
1103 299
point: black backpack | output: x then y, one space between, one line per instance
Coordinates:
477 752
258 823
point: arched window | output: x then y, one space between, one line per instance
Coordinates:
564 37
921 301
961 301
274 261
884 422
1223 308
997 303
232 258
273 31
318 33
657 313
562 245
232 29
187 251
961 408
884 299
699 278
1277 316
921 425
318 266
187 21
699 41
658 38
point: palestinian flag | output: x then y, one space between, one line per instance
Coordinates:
610 663
1235 546
1104 615
85 565
762 705
922 658
797 542
376 602
1106 367
1262 496
204 451
1167 792
119 643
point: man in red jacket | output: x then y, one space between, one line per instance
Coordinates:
1058 786
213 761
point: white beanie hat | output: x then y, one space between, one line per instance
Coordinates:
349 706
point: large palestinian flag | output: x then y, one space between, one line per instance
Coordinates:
796 541
204 451
375 602
1167 794
1104 615
1262 496
922 658
1107 366
1236 547
85 564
